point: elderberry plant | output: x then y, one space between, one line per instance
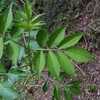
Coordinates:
30 48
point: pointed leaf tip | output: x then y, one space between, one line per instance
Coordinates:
66 64
12 51
57 36
79 54
67 94
42 37
45 87
57 92
6 19
70 40
39 62
53 64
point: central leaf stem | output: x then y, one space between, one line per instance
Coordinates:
41 49
29 52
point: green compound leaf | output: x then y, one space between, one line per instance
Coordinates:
53 64
70 40
79 54
2 69
12 51
67 94
1 47
57 36
42 38
7 92
66 64
15 74
39 62
5 20
45 87
57 92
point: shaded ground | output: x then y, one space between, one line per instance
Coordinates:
87 21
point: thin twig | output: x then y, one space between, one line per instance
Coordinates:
87 92
29 57
25 83
86 43
78 68
26 80
22 1
34 85
18 43
24 39
95 7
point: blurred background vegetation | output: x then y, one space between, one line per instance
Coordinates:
57 12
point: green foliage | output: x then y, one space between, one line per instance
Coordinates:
56 37
73 87
2 69
6 19
15 74
2 4
70 40
66 64
57 92
78 54
67 94
39 62
1 48
75 90
6 62
27 22
28 10
91 88
12 51
16 31
7 92
73 84
45 86
30 48
63 75
42 38
74 3
53 64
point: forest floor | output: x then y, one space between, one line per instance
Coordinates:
86 19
